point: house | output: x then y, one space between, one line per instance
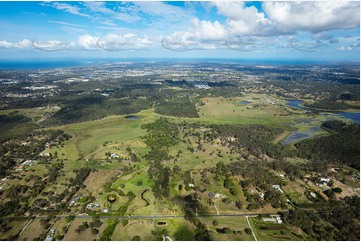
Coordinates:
313 194
278 219
114 156
278 188
269 220
274 219
105 210
191 185
50 235
219 195
92 205
28 162
327 180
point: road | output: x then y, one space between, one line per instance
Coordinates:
85 216
26 225
254 236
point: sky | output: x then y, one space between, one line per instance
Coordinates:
326 30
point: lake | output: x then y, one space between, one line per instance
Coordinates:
298 136
353 116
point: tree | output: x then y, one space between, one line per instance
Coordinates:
94 231
165 232
337 190
239 204
248 231
136 238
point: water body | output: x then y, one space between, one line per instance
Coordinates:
132 117
25 64
244 102
298 136
353 116
295 104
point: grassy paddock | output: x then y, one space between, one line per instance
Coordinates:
235 224
91 138
275 232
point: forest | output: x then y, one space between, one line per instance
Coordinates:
341 147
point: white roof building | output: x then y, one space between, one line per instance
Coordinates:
278 188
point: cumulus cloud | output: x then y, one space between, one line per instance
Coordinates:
203 34
88 42
314 16
243 20
207 30
25 43
129 41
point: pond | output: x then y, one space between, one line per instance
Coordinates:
244 102
132 117
295 104
298 136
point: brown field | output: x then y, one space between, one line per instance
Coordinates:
85 235
96 180
33 231
58 226
346 190
17 226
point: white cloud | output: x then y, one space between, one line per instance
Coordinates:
242 20
25 43
314 16
208 30
343 48
202 34
110 42
129 41
119 13
162 10
69 8
67 24
88 42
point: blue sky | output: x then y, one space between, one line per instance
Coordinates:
244 30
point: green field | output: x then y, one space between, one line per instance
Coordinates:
88 138
275 232
178 229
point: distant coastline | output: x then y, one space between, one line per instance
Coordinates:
48 63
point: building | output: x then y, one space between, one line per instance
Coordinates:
278 188
105 210
114 156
